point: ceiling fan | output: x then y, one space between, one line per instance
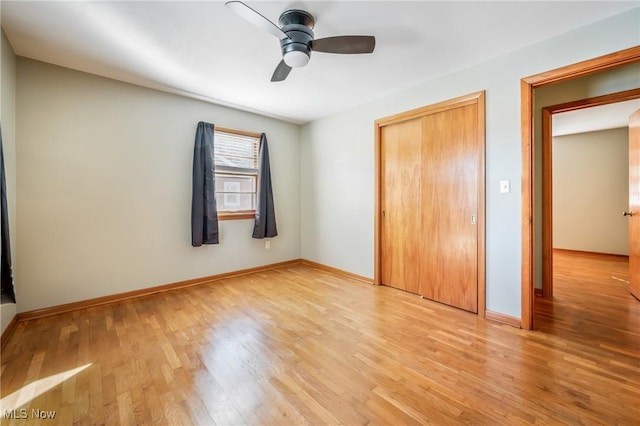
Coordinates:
296 38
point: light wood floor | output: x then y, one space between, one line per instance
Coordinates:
301 346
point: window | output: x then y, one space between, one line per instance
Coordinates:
236 160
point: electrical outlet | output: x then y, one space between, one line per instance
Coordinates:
267 245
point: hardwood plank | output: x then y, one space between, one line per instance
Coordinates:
6 334
298 345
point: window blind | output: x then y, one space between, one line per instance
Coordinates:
236 153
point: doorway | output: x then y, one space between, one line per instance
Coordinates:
620 98
528 85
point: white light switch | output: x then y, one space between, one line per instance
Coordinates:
505 186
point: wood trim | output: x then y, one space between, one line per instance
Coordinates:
477 98
460 101
527 261
336 271
377 278
547 205
238 132
502 318
377 258
481 259
8 332
612 98
538 292
607 256
90 303
583 68
527 86
222 216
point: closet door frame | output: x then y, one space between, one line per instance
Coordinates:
478 99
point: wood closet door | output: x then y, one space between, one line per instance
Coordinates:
400 146
431 185
449 197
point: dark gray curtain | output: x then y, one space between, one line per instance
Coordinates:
6 272
265 226
204 214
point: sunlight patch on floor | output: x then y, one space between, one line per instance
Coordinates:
27 393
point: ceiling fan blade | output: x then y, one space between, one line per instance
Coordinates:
281 72
255 18
344 44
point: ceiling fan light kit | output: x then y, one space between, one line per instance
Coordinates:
295 32
296 58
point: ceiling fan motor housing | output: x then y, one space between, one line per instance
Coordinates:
297 25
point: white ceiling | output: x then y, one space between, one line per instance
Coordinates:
603 117
202 49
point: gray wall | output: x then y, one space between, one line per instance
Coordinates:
104 188
8 121
337 157
103 177
590 191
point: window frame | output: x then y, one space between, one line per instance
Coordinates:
239 214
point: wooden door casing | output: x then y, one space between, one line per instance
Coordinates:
527 87
634 204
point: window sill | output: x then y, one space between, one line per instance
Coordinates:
236 215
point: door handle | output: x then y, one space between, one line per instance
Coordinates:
627 214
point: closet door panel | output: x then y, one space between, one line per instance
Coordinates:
401 146
449 200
